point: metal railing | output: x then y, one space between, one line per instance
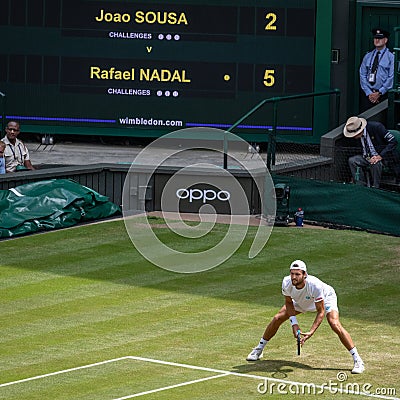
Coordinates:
273 130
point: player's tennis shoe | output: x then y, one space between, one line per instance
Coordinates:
255 355
358 367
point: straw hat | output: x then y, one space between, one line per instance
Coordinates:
354 126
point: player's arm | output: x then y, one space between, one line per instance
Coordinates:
317 321
292 314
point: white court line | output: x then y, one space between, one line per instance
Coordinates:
64 371
264 378
220 373
172 387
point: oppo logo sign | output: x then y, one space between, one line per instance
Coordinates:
204 195
200 188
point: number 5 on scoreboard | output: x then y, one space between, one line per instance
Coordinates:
269 78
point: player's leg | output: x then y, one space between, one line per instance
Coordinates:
279 318
269 333
344 336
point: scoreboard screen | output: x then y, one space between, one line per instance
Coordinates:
145 68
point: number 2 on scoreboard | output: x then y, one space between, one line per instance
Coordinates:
269 78
271 18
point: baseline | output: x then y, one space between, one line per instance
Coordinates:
262 378
64 371
172 386
219 374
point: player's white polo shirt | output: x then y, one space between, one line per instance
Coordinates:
314 291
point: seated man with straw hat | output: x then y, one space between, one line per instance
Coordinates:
378 148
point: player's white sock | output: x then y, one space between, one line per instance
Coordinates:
355 354
262 343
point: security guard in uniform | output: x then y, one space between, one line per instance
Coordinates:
376 71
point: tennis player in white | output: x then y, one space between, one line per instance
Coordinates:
304 293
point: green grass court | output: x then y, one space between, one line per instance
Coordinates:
84 316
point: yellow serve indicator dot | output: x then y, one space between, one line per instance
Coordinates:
227 77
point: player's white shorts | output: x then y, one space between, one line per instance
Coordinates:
330 303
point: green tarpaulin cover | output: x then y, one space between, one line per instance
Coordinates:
50 204
344 204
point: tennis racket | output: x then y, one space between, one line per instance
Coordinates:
298 342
